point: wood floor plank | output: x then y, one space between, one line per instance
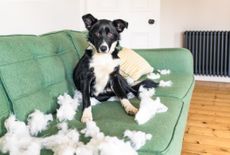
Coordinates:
207 140
218 103
208 126
208 132
211 125
206 149
210 112
185 152
211 107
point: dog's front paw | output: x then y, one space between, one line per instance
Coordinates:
87 115
129 108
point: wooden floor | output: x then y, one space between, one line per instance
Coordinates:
208 127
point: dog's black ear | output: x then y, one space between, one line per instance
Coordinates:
120 25
89 20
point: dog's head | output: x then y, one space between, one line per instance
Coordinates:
104 34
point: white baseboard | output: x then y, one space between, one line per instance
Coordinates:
212 78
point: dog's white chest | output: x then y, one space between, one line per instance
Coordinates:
103 65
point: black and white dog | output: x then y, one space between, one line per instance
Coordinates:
97 72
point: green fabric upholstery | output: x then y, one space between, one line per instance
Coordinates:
34 70
79 40
181 84
4 109
163 126
178 60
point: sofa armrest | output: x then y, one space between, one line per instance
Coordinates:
178 60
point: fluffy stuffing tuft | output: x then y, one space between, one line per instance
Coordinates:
165 83
68 107
16 127
130 80
78 98
148 106
64 142
153 76
137 138
38 121
91 130
17 140
164 71
103 145
115 146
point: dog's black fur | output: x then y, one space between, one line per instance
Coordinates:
103 37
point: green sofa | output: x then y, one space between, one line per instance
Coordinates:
34 70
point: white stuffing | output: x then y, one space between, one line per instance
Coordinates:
68 107
94 101
16 127
115 146
64 142
148 106
147 110
153 76
114 98
38 121
130 80
130 95
17 140
165 83
105 145
83 150
91 130
78 98
164 71
137 138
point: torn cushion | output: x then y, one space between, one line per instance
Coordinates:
133 65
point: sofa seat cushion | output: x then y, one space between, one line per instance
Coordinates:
181 84
34 70
162 126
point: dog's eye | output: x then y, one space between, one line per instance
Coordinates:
110 35
97 34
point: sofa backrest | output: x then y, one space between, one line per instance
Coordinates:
79 40
34 70
4 108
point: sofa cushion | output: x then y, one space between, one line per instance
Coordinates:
181 85
162 126
4 109
36 69
79 39
133 65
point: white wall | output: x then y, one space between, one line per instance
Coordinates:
41 16
180 15
38 16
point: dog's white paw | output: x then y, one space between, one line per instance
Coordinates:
129 108
87 115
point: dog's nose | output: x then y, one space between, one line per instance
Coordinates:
103 48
